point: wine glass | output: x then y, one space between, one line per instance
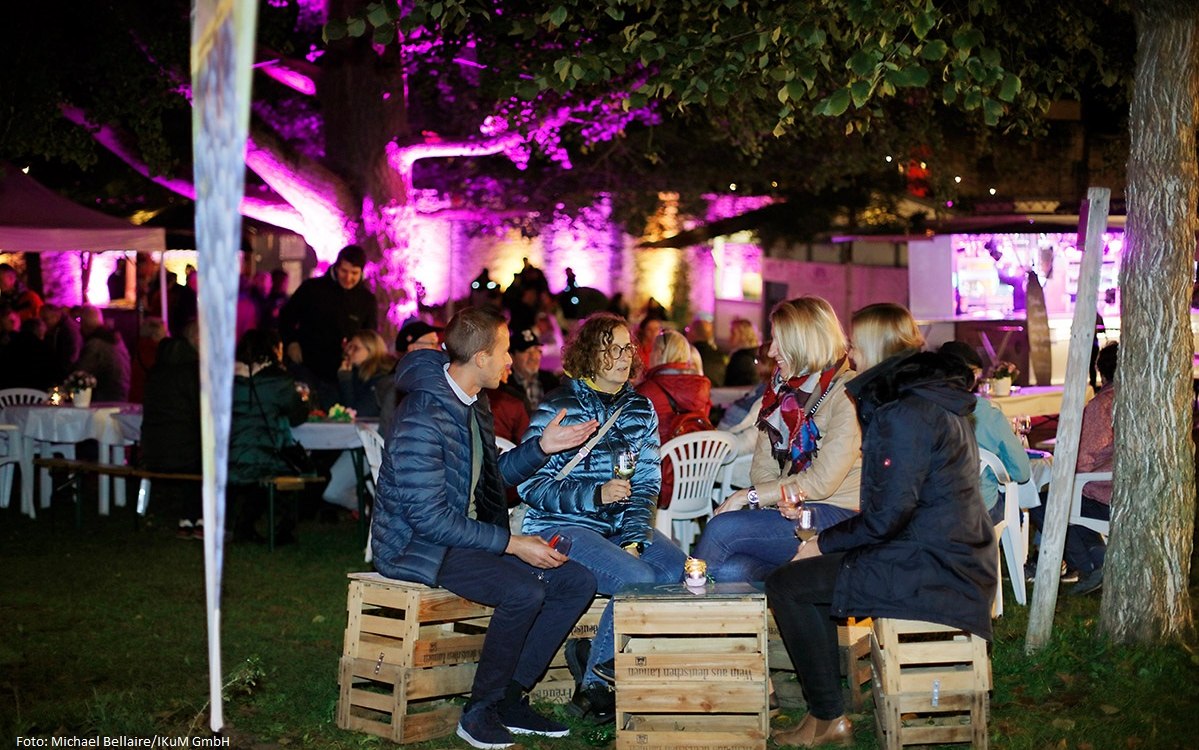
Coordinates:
805 526
1022 425
624 462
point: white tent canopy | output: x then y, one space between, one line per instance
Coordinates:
35 219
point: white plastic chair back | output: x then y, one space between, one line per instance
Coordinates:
1008 531
727 485
697 459
10 456
1076 516
372 446
503 444
22 397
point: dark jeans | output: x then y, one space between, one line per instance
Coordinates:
1085 548
801 593
532 616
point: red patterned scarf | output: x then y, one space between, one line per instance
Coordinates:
786 417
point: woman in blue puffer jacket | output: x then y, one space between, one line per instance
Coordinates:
609 520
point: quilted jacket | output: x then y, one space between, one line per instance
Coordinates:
574 500
424 482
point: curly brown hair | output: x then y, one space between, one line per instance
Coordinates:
586 353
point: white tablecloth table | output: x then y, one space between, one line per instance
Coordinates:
65 426
1033 401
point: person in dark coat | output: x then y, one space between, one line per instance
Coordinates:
440 519
323 314
171 439
528 382
266 404
104 355
922 547
63 338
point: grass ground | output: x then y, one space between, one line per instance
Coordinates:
102 634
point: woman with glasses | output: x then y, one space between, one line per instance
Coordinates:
603 502
808 448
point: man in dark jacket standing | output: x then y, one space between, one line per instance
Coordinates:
324 313
441 519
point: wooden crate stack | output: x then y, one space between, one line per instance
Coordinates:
558 686
931 684
853 642
691 671
408 649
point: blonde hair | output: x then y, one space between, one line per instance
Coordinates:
377 358
883 330
669 347
743 335
808 335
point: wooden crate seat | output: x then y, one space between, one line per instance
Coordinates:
408 650
931 684
853 645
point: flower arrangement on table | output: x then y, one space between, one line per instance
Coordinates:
1004 371
336 413
77 381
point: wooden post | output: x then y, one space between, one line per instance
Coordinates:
1082 333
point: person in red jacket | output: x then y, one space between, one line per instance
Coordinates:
672 384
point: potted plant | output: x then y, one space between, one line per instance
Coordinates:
1002 375
78 386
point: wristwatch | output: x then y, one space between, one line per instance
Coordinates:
754 502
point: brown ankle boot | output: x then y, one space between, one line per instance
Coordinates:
813 732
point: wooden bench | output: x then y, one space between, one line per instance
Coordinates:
77 468
271 484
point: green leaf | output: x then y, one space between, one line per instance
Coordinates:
334 30
796 89
384 35
1009 88
356 27
562 68
616 14
992 111
949 94
377 14
914 76
860 92
779 131
973 100
558 16
862 62
923 24
934 50
967 38
838 103
784 94
990 57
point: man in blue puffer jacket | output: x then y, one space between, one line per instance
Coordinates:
441 519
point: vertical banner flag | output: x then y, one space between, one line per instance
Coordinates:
222 52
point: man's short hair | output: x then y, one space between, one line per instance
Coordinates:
352 254
472 330
1106 361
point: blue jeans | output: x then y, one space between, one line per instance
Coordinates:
1085 548
746 545
614 569
533 614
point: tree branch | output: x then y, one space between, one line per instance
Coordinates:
297 75
272 211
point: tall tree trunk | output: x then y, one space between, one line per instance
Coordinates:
1145 595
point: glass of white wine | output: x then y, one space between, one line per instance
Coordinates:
805 527
624 462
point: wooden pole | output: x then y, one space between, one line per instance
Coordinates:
1065 457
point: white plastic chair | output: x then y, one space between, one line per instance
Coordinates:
1008 532
17 448
696 458
504 444
372 446
10 456
1076 516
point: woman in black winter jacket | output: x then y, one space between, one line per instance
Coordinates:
922 547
